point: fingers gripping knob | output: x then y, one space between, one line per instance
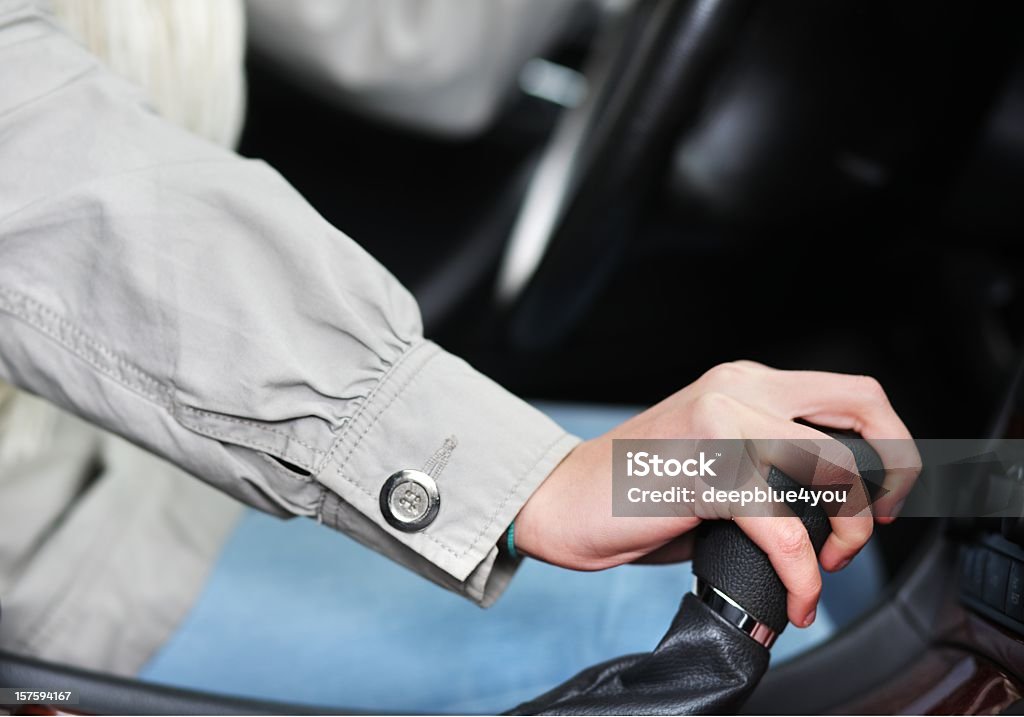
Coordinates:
735 577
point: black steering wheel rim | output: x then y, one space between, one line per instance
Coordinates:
664 56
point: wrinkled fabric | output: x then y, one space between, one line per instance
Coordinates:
112 545
192 302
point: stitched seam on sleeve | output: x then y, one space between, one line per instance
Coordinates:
320 505
512 491
504 501
376 419
490 520
398 392
241 421
368 401
51 324
245 442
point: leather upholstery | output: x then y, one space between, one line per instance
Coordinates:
703 665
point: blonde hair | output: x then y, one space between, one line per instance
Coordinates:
188 55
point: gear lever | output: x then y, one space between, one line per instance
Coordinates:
716 650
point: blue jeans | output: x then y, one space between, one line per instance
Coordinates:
277 621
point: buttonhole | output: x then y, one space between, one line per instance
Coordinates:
292 467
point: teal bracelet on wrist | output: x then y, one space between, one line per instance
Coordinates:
510 540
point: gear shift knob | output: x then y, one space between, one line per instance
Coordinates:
703 664
731 569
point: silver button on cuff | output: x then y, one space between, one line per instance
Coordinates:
409 500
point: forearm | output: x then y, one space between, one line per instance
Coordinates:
194 303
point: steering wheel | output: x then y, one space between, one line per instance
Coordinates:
648 75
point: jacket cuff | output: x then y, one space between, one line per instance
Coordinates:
503 449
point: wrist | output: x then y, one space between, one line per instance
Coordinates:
542 528
507 543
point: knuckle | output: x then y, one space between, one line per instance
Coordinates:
711 406
727 373
845 460
869 386
809 587
751 367
792 541
909 462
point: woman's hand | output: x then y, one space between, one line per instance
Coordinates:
568 521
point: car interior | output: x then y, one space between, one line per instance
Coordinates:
809 185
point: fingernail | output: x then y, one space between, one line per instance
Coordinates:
842 565
810 617
897 508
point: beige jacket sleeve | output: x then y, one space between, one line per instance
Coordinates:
193 302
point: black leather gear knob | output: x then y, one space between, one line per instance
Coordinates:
703 664
727 559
